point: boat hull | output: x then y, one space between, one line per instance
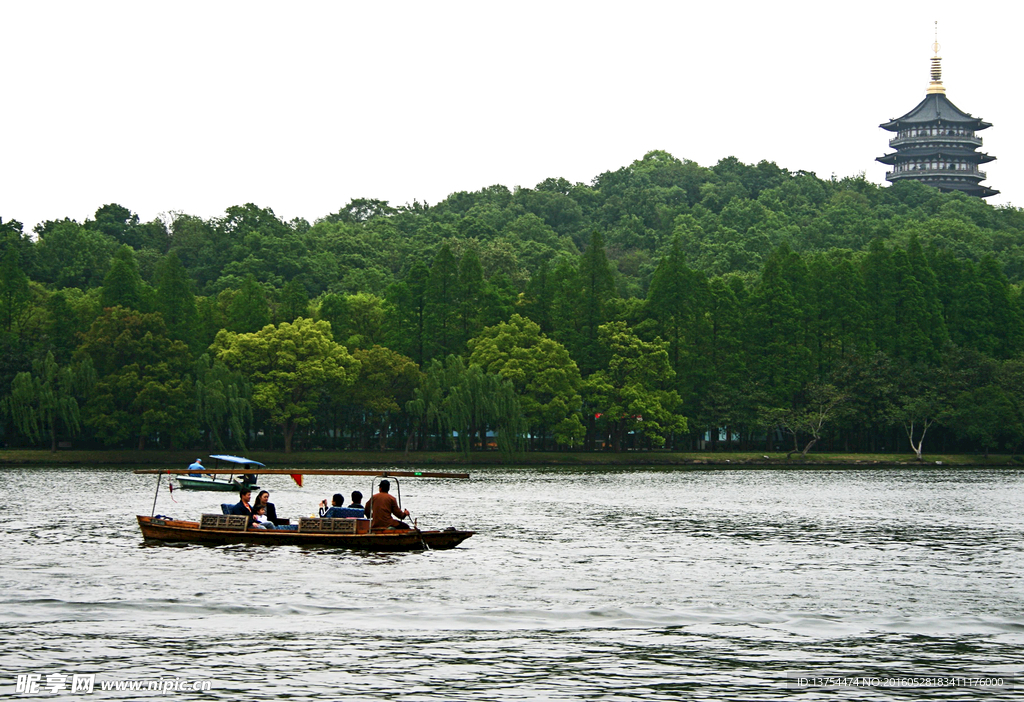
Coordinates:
171 530
214 485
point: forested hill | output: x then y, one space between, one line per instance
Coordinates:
744 295
728 218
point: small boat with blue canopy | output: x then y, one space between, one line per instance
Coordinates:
223 478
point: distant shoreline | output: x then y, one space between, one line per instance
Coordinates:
17 457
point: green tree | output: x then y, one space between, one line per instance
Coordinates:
631 393
175 301
470 294
677 307
933 322
880 297
68 255
143 386
122 286
357 321
41 401
986 414
539 303
386 382
463 401
405 326
597 287
14 287
810 418
838 328
778 329
926 395
223 403
249 311
1003 322
441 306
291 367
294 301
721 394
545 378
122 225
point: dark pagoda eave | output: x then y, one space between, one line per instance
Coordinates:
944 151
935 108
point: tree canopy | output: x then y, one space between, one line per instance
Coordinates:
661 303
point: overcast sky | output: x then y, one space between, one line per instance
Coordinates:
302 106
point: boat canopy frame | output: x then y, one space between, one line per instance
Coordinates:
376 475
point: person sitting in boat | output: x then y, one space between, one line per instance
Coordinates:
243 507
259 517
198 465
381 506
336 508
263 499
357 500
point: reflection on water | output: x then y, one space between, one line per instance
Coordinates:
581 584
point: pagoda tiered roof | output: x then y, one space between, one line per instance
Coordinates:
890 159
935 107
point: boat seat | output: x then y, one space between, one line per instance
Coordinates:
225 509
349 512
328 525
230 522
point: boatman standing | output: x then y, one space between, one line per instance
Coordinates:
381 506
198 465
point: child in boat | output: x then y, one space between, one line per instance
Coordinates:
259 518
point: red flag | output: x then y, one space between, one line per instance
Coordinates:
297 477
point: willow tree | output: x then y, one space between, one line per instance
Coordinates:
46 398
462 401
223 403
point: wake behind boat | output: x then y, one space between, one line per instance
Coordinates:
345 532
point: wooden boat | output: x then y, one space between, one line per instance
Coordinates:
229 484
353 533
172 530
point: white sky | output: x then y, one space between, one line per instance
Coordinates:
302 106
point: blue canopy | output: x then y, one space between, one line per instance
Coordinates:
239 460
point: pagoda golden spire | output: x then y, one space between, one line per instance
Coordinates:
936 85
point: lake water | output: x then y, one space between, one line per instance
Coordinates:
620 584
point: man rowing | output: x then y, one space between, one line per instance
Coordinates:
382 506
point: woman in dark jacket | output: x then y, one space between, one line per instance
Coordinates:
264 499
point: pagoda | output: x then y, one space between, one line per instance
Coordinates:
936 143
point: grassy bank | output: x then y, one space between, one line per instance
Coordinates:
279 459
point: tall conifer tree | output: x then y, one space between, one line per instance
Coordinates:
175 301
441 306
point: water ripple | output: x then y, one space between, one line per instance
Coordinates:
581 584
